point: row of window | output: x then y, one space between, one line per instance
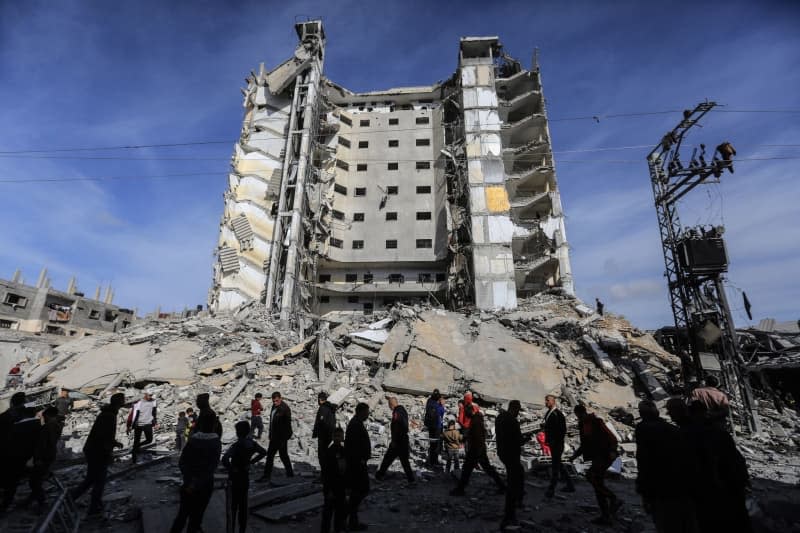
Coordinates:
390 215
391 189
393 278
393 143
362 167
364 123
391 244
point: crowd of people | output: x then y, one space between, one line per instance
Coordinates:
691 477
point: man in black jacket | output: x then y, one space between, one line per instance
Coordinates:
7 420
280 431
44 453
334 476
324 424
358 450
199 460
509 450
398 446
237 460
98 452
555 431
21 437
204 408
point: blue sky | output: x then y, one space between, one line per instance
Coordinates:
95 74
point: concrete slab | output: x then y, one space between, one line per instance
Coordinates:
98 366
224 364
609 395
398 342
285 510
420 375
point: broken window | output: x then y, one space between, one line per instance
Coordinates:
396 278
391 244
352 299
351 278
345 120
394 143
363 144
15 299
361 191
341 189
6 324
367 278
358 217
394 122
336 243
342 164
324 299
324 278
367 308
94 314
391 215
424 278
358 245
392 166
423 120
364 123
361 167
391 189
344 142
422 165
423 215
338 215
423 189
423 142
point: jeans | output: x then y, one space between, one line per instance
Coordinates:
397 450
96 473
435 446
279 447
478 457
256 423
557 468
452 457
137 435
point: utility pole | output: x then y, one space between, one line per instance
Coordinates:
696 260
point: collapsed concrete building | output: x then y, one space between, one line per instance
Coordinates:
44 309
345 201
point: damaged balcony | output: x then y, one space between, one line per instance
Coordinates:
526 158
520 83
529 130
531 205
536 274
534 178
526 104
400 286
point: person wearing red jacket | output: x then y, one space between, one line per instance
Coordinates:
256 422
463 420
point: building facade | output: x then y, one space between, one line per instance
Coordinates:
345 201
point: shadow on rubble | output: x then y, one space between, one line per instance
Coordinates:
777 506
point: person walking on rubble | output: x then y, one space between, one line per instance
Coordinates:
44 454
599 446
357 450
8 418
434 419
463 420
334 476
199 459
256 421
21 438
399 445
555 432
237 460
509 450
204 408
98 452
599 306
143 419
280 431
476 453
665 466
324 425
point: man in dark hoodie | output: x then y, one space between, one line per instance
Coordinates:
324 424
98 452
398 446
22 437
358 450
280 431
204 408
198 462
7 420
509 450
334 476
237 460
44 454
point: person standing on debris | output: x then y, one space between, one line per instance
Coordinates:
21 439
8 418
452 442
255 416
142 418
399 445
204 408
599 306
434 416
509 450
98 452
555 432
64 404
280 431
199 460
357 450
723 479
334 476
476 453
181 426
716 402
599 446
191 419
663 460
237 460
324 425
44 453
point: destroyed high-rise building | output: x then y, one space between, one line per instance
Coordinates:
352 201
